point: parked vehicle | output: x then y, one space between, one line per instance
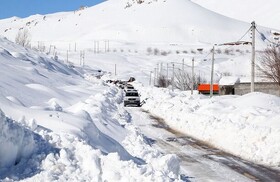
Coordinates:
132 98
128 87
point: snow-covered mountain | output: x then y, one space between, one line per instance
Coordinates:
264 12
162 21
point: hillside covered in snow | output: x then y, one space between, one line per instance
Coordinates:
135 22
263 12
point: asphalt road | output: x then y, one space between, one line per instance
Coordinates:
199 161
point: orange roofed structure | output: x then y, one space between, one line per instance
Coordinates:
205 88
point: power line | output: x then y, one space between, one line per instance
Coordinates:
239 39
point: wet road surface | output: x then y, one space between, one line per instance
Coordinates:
200 161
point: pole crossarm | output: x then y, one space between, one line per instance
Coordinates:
235 43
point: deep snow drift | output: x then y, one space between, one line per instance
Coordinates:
64 124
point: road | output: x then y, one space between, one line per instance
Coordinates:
199 161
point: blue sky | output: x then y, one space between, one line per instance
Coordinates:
24 8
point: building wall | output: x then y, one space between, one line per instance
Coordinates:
265 87
226 90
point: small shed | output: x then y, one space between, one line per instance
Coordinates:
227 85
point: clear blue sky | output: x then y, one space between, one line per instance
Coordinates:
24 8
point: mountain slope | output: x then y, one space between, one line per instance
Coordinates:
264 12
169 21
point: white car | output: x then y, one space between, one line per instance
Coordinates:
132 98
128 87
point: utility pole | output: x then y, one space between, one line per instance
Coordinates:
173 77
155 76
115 69
81 57
67 57
150 82
192 83
108 46
253 28
167 71
161 69
212 72
158 70
183 65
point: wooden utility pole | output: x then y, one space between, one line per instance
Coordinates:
173 77
155 76
253 28
183 65
212 72
167 72
108 46
67 56
150 82
192 83
161 70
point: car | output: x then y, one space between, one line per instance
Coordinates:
128 87
132 97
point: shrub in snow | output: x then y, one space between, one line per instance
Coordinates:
164 53
156 51
193 52
149 50
218 51
185 52
16 142
163 81
23 38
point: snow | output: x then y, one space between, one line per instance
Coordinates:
246 126
265 12
62 123
229 80
140 24
16 142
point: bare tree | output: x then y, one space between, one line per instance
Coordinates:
270 63
23 38
163 81
183 80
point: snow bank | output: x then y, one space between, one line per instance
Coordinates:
16 142
76 125
247 126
